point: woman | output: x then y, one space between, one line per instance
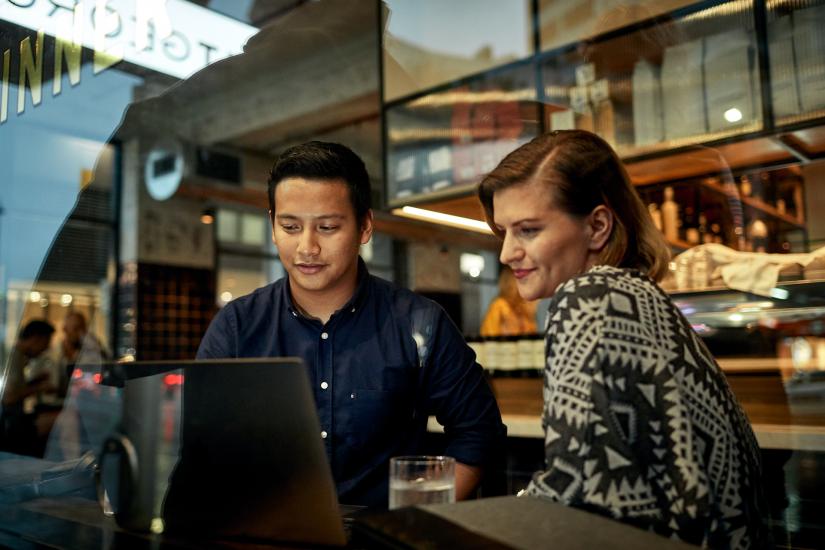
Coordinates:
509 314
640 423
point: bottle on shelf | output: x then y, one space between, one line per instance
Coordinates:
539 359
716 233
704 236
670 216
491 355
656 214
699 270
525 355
690 225
508 355
745 186
758 236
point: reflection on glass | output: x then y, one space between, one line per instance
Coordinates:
566 21
451 138
660 85
240 275
429 42
797 50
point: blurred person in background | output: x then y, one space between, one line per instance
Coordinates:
79 346
26 375
509 314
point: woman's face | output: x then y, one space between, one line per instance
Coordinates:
543 245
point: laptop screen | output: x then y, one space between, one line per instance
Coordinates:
249 464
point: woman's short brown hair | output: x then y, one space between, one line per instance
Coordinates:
581 172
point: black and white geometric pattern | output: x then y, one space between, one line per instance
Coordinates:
640 423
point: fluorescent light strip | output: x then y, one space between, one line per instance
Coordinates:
444 219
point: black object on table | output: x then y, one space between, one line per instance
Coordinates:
500 523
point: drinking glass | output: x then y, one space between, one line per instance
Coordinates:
421 480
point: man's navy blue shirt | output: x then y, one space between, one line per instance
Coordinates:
372 393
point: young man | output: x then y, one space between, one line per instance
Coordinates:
381 359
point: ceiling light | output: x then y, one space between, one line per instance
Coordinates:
444 219
733 115
471 264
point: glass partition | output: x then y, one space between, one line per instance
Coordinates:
797 50
451 137
568 21
427 43
661 83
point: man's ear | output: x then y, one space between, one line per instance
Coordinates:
600 222
367 227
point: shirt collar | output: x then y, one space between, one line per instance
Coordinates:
352 305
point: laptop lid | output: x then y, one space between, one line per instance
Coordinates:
251 461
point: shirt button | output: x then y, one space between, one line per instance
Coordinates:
353 310
294 314
323 434
352 396
324 385
324 336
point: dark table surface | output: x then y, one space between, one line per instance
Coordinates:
493 523
502 522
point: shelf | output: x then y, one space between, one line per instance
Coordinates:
705 161
812 140
756 204
803 289
448 195
683 164
801 118
629 153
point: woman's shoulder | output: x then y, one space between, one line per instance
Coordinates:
603 281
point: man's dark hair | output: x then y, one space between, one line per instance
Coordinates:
319 160
37 328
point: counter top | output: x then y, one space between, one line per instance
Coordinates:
769 436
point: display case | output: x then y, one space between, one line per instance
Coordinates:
690 76
752 211
720 102
771 349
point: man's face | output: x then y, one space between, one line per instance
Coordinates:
318 237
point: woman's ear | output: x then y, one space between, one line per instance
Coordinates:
600 222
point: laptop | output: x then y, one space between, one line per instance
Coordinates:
251 467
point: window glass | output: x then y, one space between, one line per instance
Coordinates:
567 21
430 42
